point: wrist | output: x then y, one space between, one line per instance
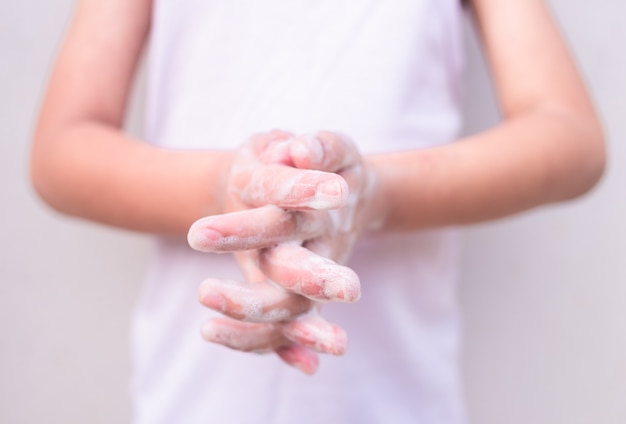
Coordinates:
376 197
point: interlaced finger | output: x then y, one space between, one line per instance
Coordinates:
244 336
260 338
324 151
255 229
289 187
301 271
313 331
251 302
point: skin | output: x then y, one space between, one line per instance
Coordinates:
287 231
548 148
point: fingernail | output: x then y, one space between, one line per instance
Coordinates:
341 284
212 300
204 239
333 340
208 332
331 188
330 194
300 358
321 336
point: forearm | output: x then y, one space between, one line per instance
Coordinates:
537 158
93 171
549 147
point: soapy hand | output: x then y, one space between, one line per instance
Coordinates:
294 203
310 189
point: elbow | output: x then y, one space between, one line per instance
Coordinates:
43 176
591 158
597 161
39 178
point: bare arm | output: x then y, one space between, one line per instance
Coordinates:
548 148
82 163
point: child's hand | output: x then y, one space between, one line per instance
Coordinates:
295 342
276 242
305 190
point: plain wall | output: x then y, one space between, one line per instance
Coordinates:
543 294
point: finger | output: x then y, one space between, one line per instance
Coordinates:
259 338
276 150
300 357
273 147
299 270
244 336
270 147
325 151
314 332
248 261
254 229
252 302
290 188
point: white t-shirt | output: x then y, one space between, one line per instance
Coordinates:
386 73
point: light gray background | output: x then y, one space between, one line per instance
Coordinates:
544 294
